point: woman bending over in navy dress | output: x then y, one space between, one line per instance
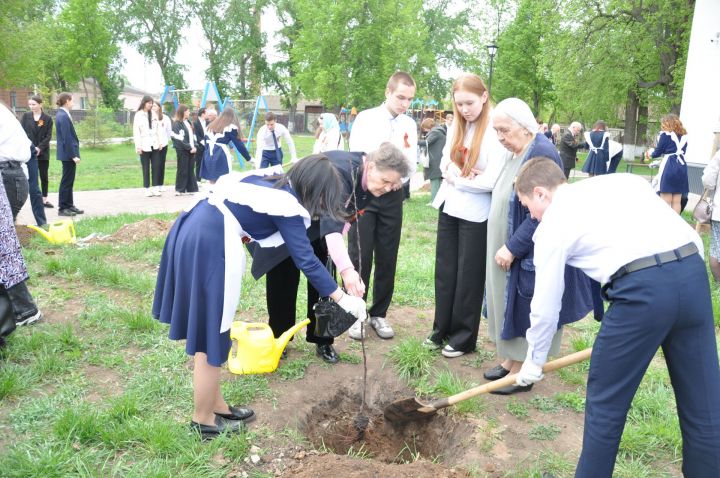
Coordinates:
221 133
199 281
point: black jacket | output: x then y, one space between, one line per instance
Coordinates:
568 147
40 132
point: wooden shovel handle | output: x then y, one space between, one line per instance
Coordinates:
509 379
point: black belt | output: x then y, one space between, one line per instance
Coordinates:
656 260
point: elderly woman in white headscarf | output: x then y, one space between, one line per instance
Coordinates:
510 269
330 138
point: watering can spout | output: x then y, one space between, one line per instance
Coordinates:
41 231
58 232
282 341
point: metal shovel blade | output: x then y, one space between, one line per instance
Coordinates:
412 409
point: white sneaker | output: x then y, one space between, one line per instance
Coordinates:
382 328
450 352
430 345
157 191
357 331
30 320
148 192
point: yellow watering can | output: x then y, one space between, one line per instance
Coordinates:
255 349
59 232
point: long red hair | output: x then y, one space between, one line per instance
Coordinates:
465 158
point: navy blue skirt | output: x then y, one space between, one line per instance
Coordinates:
674 177
190 285
214 164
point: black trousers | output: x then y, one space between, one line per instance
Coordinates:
379 229
43 167
16 185
22 302
281 293
67 181
199 154
459 281
150 160
161 168
185 181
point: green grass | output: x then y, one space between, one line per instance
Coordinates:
411 359
113 395
117 166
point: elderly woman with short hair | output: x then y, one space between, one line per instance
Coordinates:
510 268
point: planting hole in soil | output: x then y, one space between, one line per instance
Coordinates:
332 425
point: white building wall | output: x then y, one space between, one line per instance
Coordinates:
700 109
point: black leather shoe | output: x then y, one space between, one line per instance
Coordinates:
237 413
283 355
208 432
66 212
512 389
327 353
48 205
76 210
496 373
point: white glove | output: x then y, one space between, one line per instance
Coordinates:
354 305
529 373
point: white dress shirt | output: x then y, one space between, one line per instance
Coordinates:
14 143
375 126
597 225
265 141
191 135
469 199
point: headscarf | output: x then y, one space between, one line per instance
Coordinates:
518 111
329 121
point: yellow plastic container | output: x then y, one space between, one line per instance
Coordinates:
255 349
59 232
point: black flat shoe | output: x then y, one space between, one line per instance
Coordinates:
208 432
496 373
237 413
283 355
66 212
48 205
512 389
76 210
327 353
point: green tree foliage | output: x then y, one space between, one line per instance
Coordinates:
346 50
155 28
232 30
522 69
89 49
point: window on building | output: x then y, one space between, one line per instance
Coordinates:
13 100
83 103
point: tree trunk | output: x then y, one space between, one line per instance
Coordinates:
291 118
642 126
630 132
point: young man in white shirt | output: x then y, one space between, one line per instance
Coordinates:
379 227
650 262
269 143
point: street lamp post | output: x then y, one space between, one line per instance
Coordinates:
492 50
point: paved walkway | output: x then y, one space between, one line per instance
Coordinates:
111 202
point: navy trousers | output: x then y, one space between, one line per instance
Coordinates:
665 306
67 181
271 157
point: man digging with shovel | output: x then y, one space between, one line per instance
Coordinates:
651 263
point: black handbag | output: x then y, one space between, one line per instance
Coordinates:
331 320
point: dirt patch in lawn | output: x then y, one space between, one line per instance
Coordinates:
129 233
323 405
